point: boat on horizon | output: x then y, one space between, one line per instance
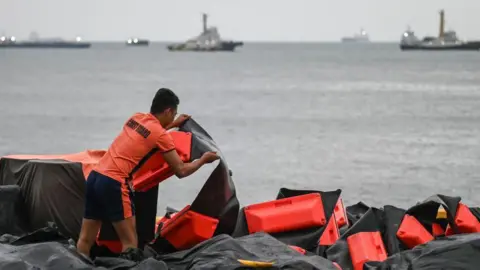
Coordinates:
361 37
137 42
446 40
35 42
209 40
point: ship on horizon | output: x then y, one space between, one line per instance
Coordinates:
35 42
361 37
137 42
208 41
446 40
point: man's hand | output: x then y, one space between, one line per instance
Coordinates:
180 119
209 157
182 169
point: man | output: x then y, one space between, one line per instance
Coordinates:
109 196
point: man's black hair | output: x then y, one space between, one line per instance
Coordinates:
164 99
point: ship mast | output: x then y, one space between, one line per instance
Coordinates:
204 17
442 24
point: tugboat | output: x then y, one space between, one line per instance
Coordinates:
137 42
11 42
446 40
209 40
361 37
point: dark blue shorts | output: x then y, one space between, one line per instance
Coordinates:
107 199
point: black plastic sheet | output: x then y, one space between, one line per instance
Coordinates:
47 248
455 252
356 211
217 198
223 252
10 207
52 191
47 255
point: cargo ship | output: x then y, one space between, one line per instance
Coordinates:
446 40
361 37
12 42
209 40
137 42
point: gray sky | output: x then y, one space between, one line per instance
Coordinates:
248 20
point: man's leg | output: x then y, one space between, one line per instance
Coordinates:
126 232
122 215
88 235
91 222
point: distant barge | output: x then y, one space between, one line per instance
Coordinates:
137 42
11 42
361 37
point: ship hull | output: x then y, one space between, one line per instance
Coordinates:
226 46
139 43
46 45
353 40
469 46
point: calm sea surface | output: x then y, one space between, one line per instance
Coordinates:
385 126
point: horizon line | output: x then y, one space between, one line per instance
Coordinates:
245 41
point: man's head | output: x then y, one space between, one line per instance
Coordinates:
164 106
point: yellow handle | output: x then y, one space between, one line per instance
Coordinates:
255 263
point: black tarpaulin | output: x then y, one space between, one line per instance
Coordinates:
58 256
217 198
47 255
455 252
44 248
46 234
48 249
11 170
10 206
356 211
223 252
392 218
121 264
52 191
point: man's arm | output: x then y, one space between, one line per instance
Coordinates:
172 125
182 169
